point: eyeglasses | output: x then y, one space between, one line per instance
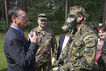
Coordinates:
23 17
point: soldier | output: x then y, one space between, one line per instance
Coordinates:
46 41
79 52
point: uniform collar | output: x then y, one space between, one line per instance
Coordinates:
83 27
80 31
39 30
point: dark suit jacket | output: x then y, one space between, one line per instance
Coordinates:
102 59
103 53
104 45
19 52
61 40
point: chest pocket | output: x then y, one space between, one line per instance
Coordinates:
46 40
77 48
43 54
78 44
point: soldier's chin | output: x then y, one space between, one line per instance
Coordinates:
102 37
43 26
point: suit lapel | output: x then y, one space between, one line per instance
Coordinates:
62 40
25 41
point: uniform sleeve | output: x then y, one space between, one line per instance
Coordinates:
20 55
89 52
54 46
63 54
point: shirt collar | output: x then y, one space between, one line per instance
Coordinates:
17 29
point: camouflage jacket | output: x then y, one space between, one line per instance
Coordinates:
79 52
46 41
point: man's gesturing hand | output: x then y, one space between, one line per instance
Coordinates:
33 37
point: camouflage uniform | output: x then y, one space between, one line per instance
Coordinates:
46 41
79 53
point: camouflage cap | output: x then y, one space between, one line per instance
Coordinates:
42 16
77 10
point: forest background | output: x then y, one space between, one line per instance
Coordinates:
55 10
56 14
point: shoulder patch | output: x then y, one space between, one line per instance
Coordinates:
91 37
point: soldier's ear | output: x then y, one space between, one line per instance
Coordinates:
37 20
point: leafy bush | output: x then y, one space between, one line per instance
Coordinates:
56 26
56 16
30 26
3 25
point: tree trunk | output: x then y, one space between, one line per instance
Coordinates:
6 11
2 9
104 13
24 4
66 9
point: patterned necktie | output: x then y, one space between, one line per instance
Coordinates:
24 36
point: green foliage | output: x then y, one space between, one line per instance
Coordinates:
93 8
3 26
59 15
56 26
30 25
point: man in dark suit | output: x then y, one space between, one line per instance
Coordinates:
62 42
19 52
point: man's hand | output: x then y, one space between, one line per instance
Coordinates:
33 37
55 69
96 63
53 60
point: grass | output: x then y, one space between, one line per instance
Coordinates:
3 62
